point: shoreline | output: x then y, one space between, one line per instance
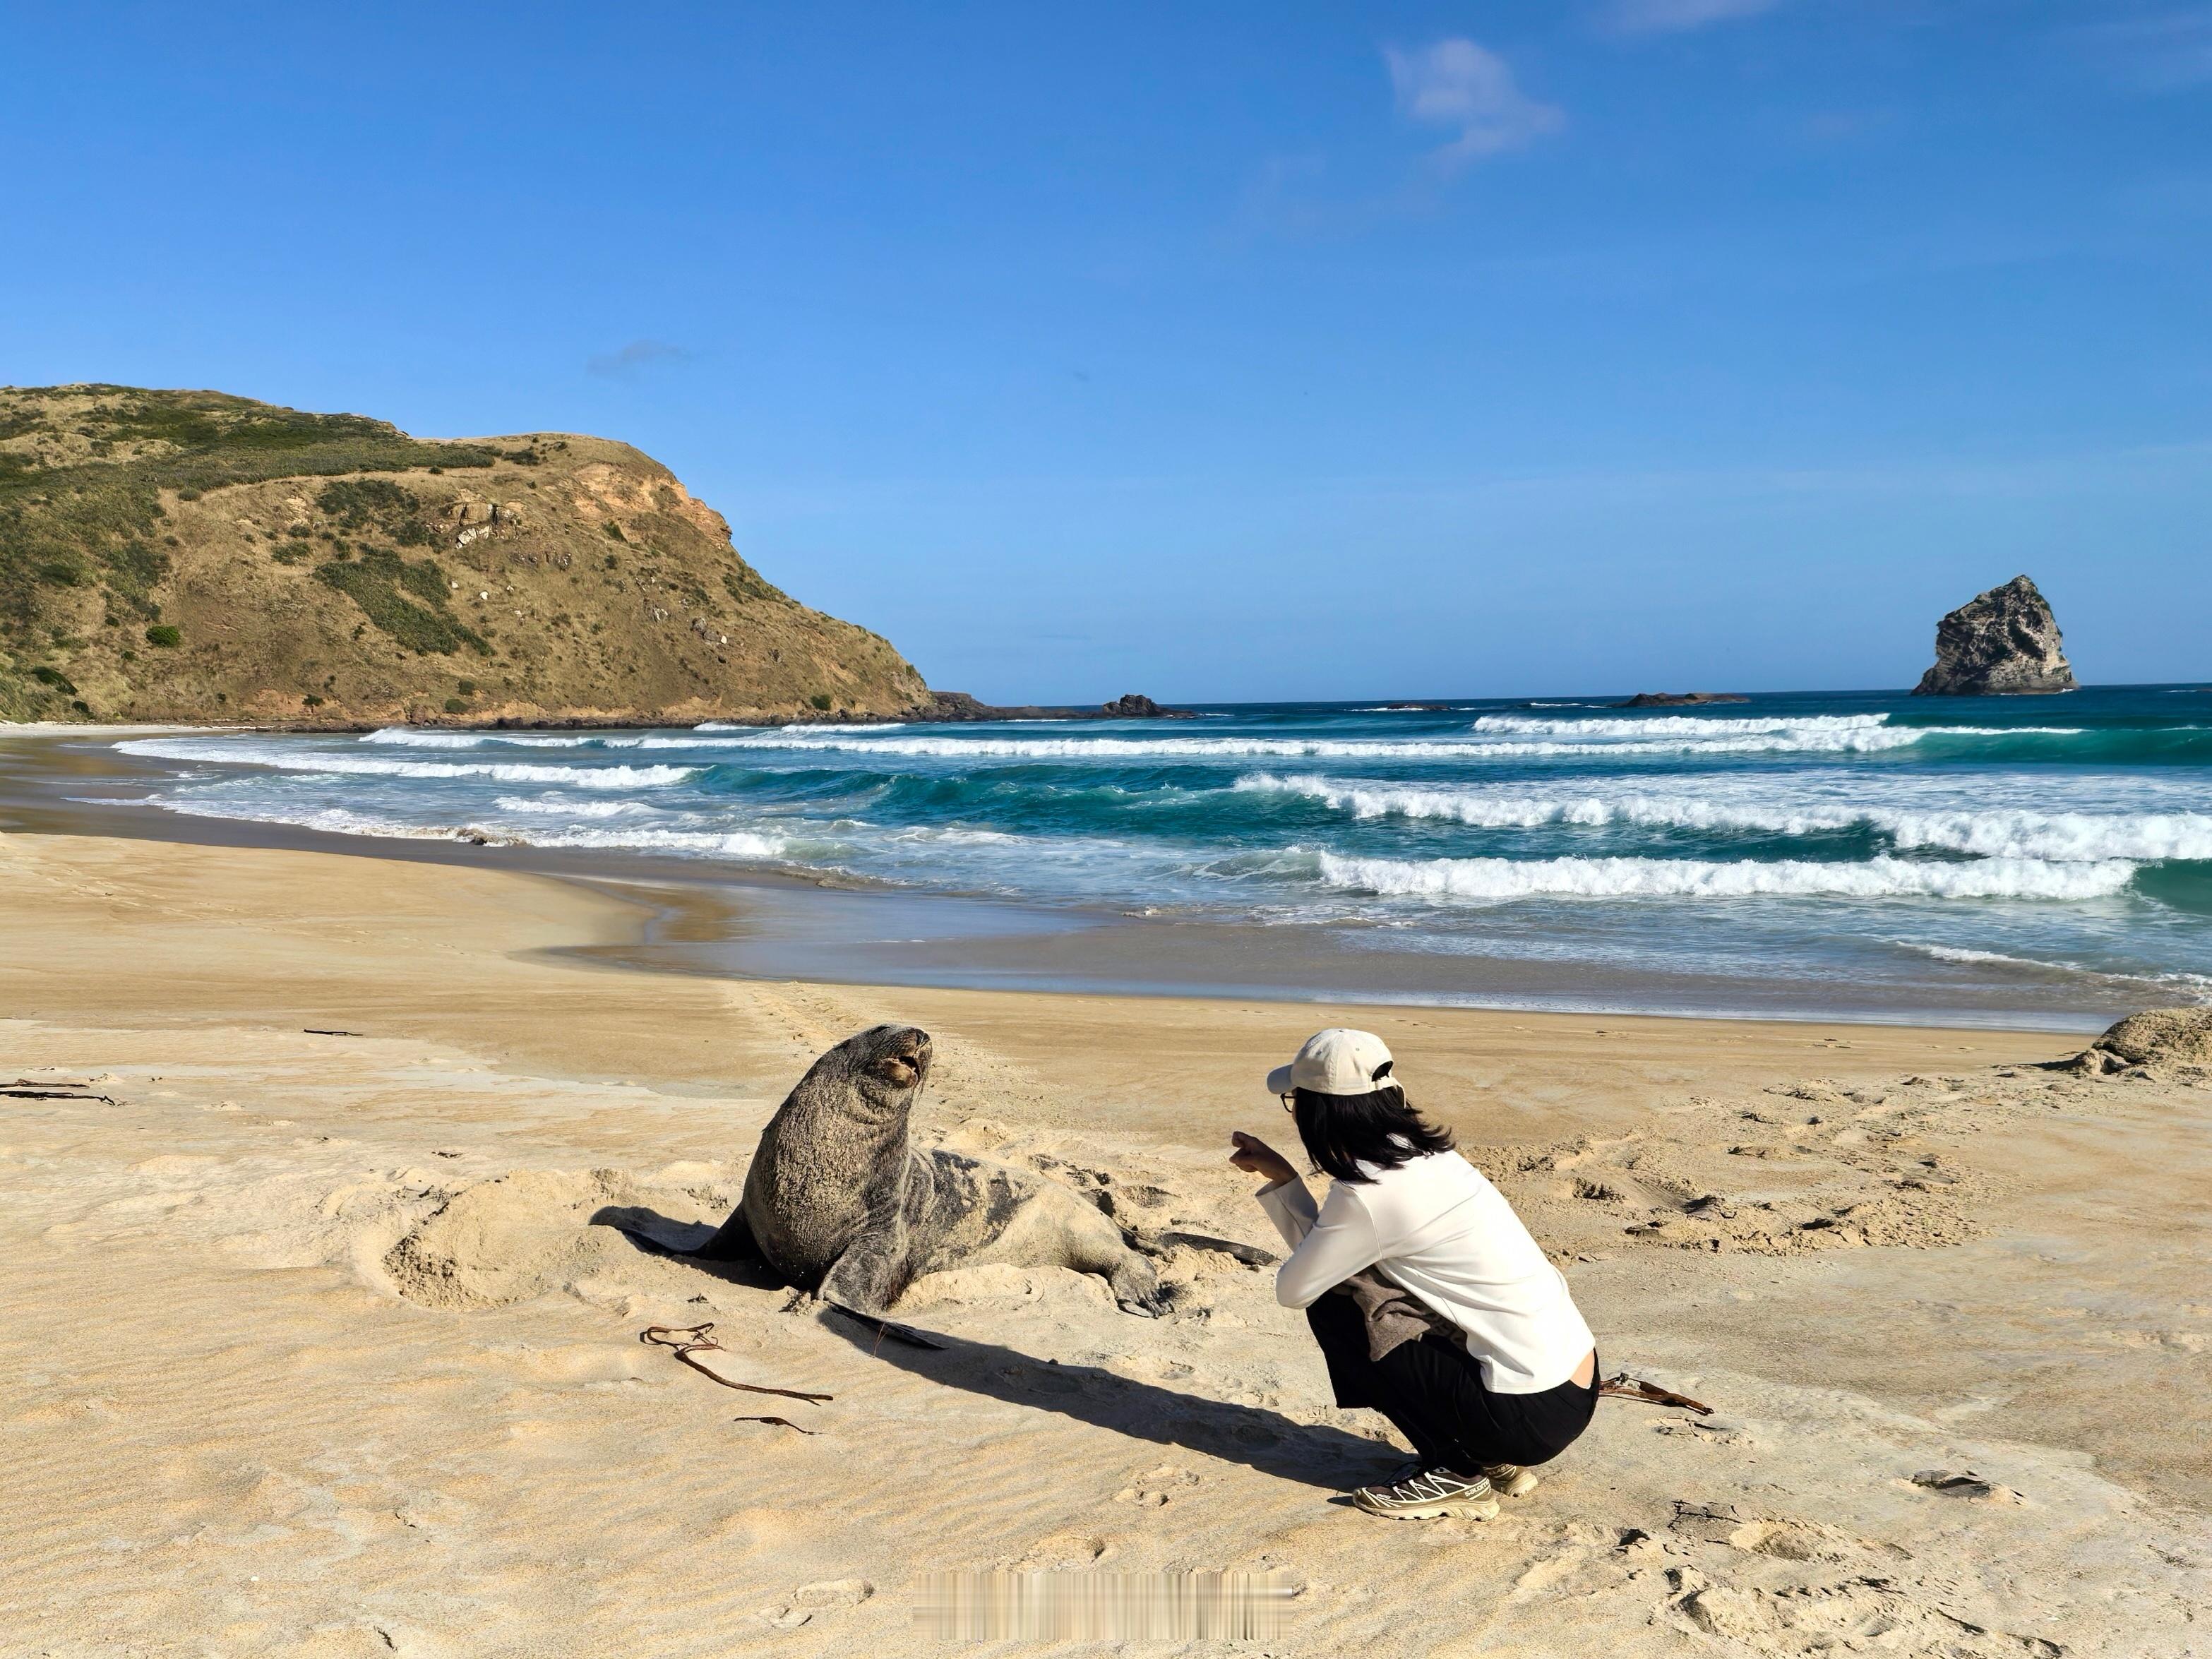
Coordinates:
831 929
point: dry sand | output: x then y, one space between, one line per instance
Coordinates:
312 1350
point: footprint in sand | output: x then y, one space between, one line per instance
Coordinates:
1783 1538
1060 1550
1155 1488
1721 1430
1854 1615
1965 1483
810 1599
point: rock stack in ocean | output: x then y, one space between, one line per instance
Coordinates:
2005 642
1680 699
1136 706
954 706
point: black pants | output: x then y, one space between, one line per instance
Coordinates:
1431 1389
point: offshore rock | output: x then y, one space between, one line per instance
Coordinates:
2004 643
958 706
1135 706
1680 699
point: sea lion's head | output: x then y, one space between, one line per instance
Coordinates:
886 1065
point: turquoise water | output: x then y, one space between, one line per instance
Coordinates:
2051 855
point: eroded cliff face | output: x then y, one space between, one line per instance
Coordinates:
178 556
2003 642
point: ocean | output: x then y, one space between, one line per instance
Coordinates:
2045 860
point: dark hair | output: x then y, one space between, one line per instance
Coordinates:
1342 1131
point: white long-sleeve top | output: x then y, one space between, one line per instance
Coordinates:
1434 1227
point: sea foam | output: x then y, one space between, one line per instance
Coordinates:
1596 730
1852 740
311 761
1628 878
740 844
2015 833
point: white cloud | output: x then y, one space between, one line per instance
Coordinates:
634 357
1458 84
1674 16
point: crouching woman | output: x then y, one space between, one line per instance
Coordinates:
1447 1317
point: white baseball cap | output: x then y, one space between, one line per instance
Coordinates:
1337 1061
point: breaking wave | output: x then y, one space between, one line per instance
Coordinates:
307 761
1598 731
740 844
1629 878
1859 739
2198 987
2014 833
414 737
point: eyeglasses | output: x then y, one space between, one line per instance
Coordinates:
1289 1102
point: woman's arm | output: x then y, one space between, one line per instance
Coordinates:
1337 1242
1285 1198
1328 1244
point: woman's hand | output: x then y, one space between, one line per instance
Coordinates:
1255 1157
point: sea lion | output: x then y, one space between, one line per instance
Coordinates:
838 1202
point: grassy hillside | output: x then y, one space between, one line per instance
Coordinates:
188 555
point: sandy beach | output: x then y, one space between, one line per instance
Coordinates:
314 1351
688 713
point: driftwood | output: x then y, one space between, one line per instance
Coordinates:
28 1088
685 1340
1624 1387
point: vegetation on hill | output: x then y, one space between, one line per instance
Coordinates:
189 555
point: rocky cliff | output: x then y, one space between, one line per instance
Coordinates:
2003 642
189 556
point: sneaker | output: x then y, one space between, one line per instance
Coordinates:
1506 1479
1509 1480
1429 1494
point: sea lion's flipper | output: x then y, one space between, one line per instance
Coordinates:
871 1274
906 1334
1136 1291
874 1272
733 1242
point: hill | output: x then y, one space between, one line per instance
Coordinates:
191 556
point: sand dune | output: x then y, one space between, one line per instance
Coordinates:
316 1349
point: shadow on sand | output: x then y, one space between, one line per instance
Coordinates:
655 1234
1310 1454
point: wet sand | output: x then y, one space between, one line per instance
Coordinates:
316 1352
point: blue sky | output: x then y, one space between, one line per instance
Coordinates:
1223 351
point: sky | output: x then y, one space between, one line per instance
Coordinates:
1221 352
